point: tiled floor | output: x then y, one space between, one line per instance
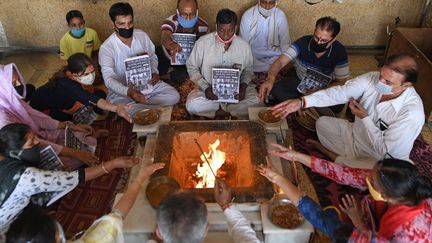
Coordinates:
37 68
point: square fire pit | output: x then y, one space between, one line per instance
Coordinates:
243 143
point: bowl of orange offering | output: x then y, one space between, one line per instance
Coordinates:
283 213
266 116
146 117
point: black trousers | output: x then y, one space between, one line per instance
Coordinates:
178 76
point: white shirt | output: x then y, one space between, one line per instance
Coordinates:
264 55
239 227
208 53
404 116
112 54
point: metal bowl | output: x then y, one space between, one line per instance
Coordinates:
283 213
146 117
159 187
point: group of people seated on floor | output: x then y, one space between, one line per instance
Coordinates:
372 153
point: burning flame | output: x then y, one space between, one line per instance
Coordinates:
216 158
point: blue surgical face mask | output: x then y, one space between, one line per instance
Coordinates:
187 24
383 88
78 33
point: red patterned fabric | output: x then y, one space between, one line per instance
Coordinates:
78 209
365 237
398 223
340 173
395 217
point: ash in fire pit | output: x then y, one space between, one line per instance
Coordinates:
234 148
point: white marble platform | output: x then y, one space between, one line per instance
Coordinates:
141 220
273 233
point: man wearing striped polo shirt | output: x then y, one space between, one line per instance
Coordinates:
186 20
320 53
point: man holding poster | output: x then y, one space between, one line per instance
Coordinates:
129 65
221 66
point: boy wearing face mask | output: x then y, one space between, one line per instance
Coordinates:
186 20
79 38
126 42
388 113
320 52
265 27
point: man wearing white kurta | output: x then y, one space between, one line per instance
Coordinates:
124 43
220 49
265 27
389 115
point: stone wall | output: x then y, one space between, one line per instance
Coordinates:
41 23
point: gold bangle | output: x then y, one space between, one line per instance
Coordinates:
104 169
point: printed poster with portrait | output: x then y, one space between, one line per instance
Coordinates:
138 73
313 81
186 42
226 84
50 160
72 141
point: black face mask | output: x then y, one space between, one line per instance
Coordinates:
31 155
125 33
318 48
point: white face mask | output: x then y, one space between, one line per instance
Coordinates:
88 79
383 88
266 12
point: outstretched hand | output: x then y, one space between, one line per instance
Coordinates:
284 152
269 173
86 157
350 207
287 107
122 110
147 170
125 162
86 129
